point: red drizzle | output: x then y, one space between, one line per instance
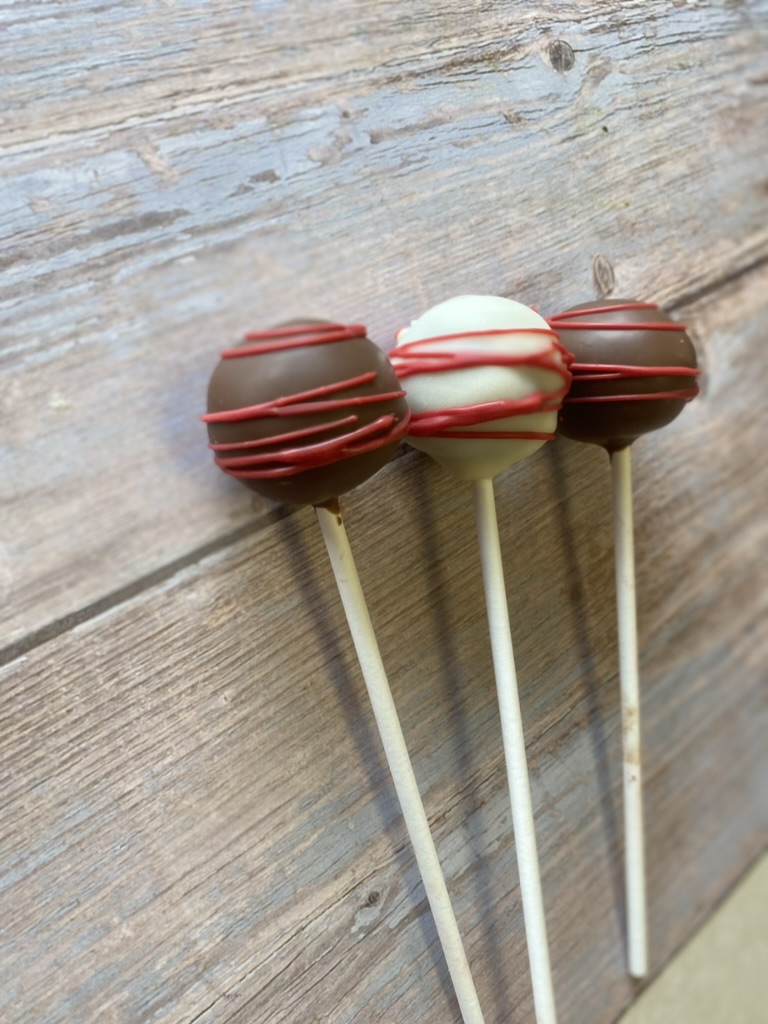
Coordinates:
412 359
282 338
570 320
245 459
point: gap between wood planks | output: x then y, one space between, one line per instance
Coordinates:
54 629
92 610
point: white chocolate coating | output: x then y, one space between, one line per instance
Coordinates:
464 320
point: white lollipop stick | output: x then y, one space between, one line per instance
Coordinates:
400 766
514 752
634 852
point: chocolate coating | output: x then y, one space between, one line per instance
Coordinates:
485 377
614 397
280 445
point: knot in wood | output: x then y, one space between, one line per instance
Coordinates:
561 55
603 276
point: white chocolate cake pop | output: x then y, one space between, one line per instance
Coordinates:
485 377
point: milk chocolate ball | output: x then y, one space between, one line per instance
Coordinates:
634 370
305 412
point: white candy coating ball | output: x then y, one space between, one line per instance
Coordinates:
477 366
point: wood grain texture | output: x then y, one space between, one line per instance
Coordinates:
176 173
197 818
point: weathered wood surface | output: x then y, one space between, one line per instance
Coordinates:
176 174
196 816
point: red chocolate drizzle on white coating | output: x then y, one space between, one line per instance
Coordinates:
416 357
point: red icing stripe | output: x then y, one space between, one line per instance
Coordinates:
297 405
288 461
282 338
615 372
290 436
621 308
415 357
570 320
446 422
617 325
683 395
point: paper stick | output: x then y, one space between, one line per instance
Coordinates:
514 752
634 846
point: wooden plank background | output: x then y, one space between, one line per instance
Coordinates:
197 822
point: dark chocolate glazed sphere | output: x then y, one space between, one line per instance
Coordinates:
305 412
633 371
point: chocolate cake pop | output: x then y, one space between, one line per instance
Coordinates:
634 371
303 413
485 377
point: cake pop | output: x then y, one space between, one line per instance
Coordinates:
634 371
485 377
339 423
303 413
